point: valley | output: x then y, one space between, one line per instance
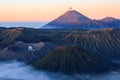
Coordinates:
72 46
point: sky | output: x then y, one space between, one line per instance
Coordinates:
47 10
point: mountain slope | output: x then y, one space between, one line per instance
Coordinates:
69 19
105 42
27 52
73 60
2 29
8 36
72 19
111 22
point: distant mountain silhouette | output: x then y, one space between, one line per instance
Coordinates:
109 19
111 22
72 19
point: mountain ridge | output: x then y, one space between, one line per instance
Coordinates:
67 59
73 19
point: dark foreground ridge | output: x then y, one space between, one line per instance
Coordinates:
69 60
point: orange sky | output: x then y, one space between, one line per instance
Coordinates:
46 10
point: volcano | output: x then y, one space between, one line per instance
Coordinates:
72 19
104 41
67 59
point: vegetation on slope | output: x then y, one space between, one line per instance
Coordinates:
8 36
67 59
105 42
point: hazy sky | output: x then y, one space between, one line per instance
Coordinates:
46 10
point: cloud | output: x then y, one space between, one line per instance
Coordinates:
20 71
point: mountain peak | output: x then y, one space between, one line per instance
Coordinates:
69 19
72 11
73 19
73 15
108 19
